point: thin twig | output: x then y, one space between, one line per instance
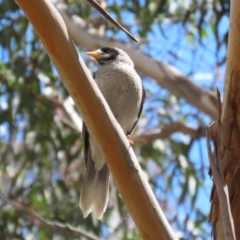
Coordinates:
110 19
52 224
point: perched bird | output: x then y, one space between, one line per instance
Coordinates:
123 90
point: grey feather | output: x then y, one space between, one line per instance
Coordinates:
95 190
123 90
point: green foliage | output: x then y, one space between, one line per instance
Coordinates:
41 167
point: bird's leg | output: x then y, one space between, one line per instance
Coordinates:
129 140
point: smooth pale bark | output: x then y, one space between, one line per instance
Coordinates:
121 160
229 134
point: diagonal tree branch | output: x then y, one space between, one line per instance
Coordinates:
167 76
120 158
167 131
106 15
38 220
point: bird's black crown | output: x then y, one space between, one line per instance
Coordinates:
109 54
109 50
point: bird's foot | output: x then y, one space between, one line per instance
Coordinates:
129 140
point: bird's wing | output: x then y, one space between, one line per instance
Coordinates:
85 137
86 144
140 110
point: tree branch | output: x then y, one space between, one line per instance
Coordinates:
120 158
107 16
167 76
38 220
167 131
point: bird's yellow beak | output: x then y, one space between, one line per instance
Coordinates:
94 54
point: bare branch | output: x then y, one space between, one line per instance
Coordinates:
38 220
65 112
167 76
68 105
110 19
120 158
167 131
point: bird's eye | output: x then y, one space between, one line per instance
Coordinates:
106 50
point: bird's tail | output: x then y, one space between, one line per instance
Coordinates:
95 190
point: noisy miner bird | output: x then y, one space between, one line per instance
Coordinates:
123 90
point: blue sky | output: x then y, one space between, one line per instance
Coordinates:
196 58
198 61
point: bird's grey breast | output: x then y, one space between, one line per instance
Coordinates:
122 89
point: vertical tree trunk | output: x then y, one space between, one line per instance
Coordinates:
229 129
